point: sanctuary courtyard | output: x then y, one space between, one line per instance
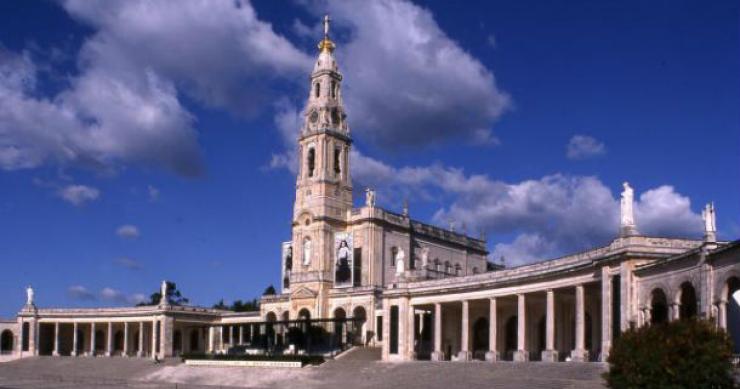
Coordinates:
375 279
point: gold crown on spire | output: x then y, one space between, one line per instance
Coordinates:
326 44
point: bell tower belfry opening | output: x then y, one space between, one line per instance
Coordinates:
323 187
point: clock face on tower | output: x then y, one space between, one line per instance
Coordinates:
314 117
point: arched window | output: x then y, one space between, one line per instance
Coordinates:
448 267
394 253
311 161
437 265
658 307
458 270
688 301
6 342
333 89
337 162
317 89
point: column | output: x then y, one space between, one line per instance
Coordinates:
109 341
74 340
464 354
92 339
125 339
606 313
492 354
55 352
154 338
580 354
231 335
140 351
241 335
550 354
521 354
410 334
211 337
221 338
722 314
438 354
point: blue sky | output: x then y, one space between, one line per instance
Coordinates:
148 140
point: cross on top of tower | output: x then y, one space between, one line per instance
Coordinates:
326 26
326 44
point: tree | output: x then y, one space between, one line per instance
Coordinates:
239 305
680 354
269 291
220 305
174 296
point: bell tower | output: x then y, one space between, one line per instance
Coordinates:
323 187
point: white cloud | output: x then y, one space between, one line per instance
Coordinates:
408 83
583 147
123 106
79 292
78 195
128 231
128 263
119 297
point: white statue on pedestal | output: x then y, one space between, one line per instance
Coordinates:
163 293
627 214
369 197
710 222
29 295
400 256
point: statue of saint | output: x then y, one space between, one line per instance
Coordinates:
29 295
307 251
425 257
710 219
369 197
163 293
627 214
400 266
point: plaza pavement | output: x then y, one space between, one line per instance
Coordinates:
360 368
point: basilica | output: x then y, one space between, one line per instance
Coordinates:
415 290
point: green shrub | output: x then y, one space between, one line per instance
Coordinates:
680 354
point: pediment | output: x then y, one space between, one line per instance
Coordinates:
303 293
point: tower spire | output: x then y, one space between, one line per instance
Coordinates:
326 44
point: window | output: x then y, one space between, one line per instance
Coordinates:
337 162
458 270
475 270
311 161
394 329
357 263
379 327
437 265
394 253
448 267
317 89
333 89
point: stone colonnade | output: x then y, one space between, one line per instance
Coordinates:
564 325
